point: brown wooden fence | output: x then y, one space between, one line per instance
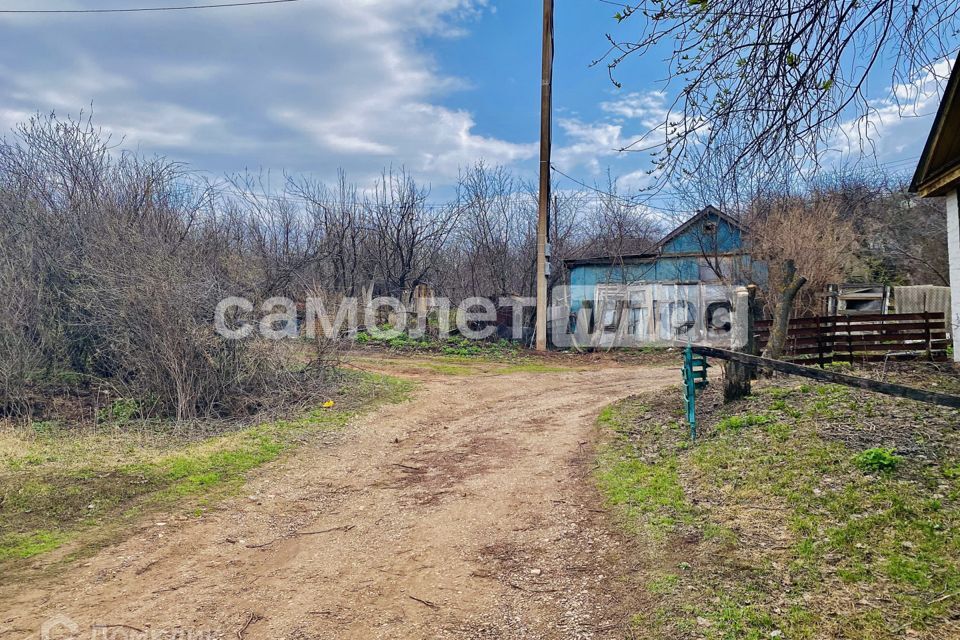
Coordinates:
855 338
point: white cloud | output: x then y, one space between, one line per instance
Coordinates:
165 127
154 125
54 89
648 109
428 139
181 73
894 132
635 181
9 118
630 123
306 87
588 144
898 124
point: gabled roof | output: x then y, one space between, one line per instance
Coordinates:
939 168
657 249
707 211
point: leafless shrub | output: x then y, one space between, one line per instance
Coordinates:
327 326
113 266
902 238
21 356
495 235
811 234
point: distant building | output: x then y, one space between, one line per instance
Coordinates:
938 174
679 289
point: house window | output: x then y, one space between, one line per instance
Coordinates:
638 313
613 311
587 310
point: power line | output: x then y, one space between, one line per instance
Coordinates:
224 5
903 161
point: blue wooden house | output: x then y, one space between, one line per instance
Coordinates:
681 288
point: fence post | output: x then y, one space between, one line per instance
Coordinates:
737 376
849 340
820 354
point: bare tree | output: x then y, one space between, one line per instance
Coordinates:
569 232
281 236
799 243
406 235
618 227
902 238
909 242
341 212
770 82
494 228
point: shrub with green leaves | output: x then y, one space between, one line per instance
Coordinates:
877 459
736 423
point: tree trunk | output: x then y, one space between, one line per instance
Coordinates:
792 283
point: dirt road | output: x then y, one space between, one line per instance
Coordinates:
467 512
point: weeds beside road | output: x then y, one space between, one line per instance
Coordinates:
80 486
806 511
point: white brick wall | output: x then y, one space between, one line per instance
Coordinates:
953 247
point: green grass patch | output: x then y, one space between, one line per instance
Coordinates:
451 346
61 485
664 584
26 545
797 520
447 369
734 617
460 365
646 495
530 367
736 423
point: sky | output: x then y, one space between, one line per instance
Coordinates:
316 85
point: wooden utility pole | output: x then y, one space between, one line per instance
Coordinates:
543 214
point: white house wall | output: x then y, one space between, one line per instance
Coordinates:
953 246
659 313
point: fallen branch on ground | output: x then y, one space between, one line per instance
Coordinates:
253 617
117 626
297 534
432 605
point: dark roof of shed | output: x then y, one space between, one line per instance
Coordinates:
630 258
939 163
